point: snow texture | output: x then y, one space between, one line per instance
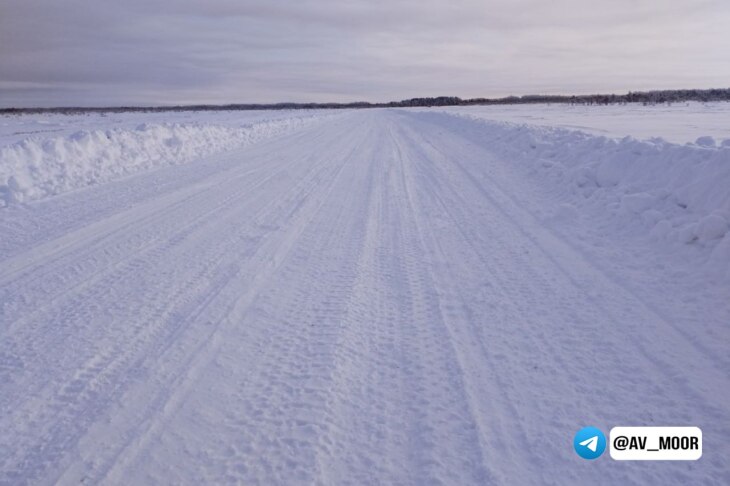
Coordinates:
677 122
677 193
38 167
375 297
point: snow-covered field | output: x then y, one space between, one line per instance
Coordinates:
436 296
677 122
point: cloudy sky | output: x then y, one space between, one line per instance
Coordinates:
100 52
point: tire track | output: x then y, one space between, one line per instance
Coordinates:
553 321
103 378
178 371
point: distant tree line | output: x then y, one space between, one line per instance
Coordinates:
645 97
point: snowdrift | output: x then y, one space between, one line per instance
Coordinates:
669 192
38 167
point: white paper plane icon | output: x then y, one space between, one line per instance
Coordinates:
591 443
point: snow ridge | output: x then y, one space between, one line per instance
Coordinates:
672 193
37 167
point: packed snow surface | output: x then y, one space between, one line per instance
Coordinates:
367 297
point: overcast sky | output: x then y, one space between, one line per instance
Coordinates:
98 52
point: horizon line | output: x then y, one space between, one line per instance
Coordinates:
656 96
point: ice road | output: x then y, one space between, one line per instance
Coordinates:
375 297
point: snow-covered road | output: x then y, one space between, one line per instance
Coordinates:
371 299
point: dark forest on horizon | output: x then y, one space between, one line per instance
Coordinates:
645 97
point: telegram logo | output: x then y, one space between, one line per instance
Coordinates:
589 443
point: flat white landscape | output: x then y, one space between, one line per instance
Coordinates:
438 296
676 122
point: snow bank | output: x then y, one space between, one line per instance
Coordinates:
674 193
38 167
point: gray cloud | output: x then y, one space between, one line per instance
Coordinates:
80 52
